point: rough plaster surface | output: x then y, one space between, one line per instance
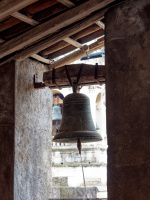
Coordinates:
74 193
127 100
32 134
7 74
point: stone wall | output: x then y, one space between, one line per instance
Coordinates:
67 171
69 193
25 133
7 74
32 134
127 100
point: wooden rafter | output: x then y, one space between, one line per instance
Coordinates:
52 26
30 11
7 7
41 59
1 41
70 4
24 18
83 40
73 42
100 24
22 27
67 3
62 44
78 54
60 35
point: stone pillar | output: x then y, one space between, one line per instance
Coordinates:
32 134
128 100
25 134
7 74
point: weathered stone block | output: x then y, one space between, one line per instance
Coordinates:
60 181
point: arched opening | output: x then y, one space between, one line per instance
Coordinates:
57 111
101 115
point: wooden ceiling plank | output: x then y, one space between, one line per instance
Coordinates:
40 6
67 3
100 24
54 48
53 25
24 18
41 59
22 27
7 7
29 11
9 22
62 44
73 42
50 11
78 54
17 29
60 35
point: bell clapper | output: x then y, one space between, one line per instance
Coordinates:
79 148
79 145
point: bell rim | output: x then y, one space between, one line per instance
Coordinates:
72 136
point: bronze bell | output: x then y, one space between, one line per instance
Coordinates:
56 113
77 121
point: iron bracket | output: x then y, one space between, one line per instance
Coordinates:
74 84
68 76
96 74
79 74
53 79
38 85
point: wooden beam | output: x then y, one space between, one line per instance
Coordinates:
73 42
1 41
83 40
67 3
22 27
41 59
85 32
7 7
100 24
60 35
51 26
24 18
30 11
87 75
78 54
92 36
76 36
